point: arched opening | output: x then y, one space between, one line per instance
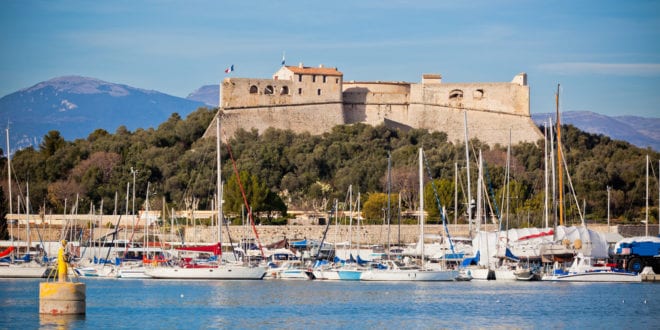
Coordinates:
318 91
285 90
254 89
268 90
456 94
478 94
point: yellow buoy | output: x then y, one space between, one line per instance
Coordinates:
62 297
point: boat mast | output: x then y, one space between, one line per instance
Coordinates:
553 176
146 223
9 184
545 160
399 217
479 193
9 173
647 197
455 195
421 204
350 219
219 179
389 213
27 212
357 243
508 184
467 165
559 162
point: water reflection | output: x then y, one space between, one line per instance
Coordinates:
48 321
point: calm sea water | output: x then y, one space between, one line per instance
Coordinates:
276 304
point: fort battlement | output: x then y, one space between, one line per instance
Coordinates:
315 99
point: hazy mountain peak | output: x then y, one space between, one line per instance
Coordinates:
84 85
209 94
640 131
76 106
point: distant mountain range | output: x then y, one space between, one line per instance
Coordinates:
76 106
207 94
640 131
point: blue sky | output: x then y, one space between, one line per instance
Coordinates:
605 54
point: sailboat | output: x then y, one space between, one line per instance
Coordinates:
25 267
396 270
218 270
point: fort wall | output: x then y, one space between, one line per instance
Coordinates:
305 99
313 118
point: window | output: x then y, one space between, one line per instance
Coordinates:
314 78
299 91
478 94
324 77
456 94
299 78
268 90
254 89
318 91
336 80
285 90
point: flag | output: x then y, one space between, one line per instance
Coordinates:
229 69
283 60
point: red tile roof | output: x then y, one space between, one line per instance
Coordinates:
312 70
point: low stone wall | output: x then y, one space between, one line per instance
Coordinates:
370 234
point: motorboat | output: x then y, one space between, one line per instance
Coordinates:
584 269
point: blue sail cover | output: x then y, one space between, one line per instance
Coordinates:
471 261
361 261
510 255
320 263
299 244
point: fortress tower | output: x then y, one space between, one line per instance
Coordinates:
315 99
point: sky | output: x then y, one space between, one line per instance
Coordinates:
605 54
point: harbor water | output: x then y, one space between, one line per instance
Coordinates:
281 304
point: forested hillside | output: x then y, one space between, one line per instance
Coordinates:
282 170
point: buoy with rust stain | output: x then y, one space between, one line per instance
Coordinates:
62 297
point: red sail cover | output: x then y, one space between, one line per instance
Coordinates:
7 251
216 249
547 233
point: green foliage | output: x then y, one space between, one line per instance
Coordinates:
374 209
445 190
282 170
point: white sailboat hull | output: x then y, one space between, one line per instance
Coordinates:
505 275
604 276
480 274
222 272
22 271
97 271
409 275
326 274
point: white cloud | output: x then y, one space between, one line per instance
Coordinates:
619 69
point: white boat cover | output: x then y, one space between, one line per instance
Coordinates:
526 242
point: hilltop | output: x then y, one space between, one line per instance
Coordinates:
76 106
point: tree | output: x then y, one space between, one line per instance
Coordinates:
375 207
51 143
445 189
256 193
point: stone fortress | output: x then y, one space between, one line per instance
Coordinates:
315 99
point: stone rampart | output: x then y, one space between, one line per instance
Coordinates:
369 234
309 101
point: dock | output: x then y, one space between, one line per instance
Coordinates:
650 277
